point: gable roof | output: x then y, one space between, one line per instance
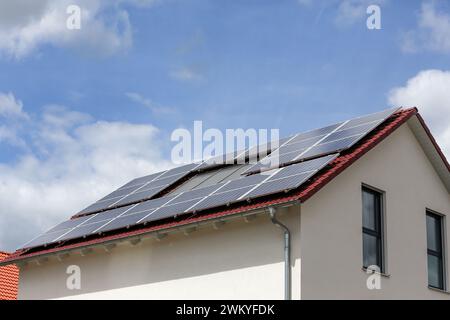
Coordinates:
302 194
9 280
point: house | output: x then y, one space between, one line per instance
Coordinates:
9 280
367 220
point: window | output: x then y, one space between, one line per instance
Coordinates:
434 251
372 228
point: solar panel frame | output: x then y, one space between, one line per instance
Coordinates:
150 205
353 130
109 214
220 198
170 210
299 145
123 221
302 167
197 193
290 177
350 132
314 133
377 116
329 147
83 230
161 201
68 224
278 185
142 180
45 239
139 192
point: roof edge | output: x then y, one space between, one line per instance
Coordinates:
433 140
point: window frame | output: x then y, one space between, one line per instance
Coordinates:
441 253
380 225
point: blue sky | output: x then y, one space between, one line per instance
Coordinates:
144 68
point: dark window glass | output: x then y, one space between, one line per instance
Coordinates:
434 251
372 229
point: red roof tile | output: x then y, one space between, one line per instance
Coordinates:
9 280
345 159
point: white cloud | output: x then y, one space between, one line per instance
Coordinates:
71 162
429 91
433 31
26 25
188 74
154 107
10 107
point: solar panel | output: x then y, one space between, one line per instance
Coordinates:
140 189
220 198
248 155
150 204
289 177
132 204
170 210
63 230
210 178
124 221
46 238
69 224
260 151
82 230
259 184
322 141
197 193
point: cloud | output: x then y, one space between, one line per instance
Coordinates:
12 117
70 161
154 107
429 91
432 34
10 107
188 74
27 25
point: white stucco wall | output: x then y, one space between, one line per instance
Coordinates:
331 224
238 261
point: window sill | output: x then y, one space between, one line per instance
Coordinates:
438 290
386 275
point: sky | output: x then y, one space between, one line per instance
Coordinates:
82 111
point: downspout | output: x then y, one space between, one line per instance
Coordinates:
287 253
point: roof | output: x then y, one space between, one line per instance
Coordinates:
9 280
302 194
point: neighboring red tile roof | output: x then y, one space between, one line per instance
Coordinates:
345 159
9 280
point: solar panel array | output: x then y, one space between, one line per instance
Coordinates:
140 189
300 157
243 188
331 139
